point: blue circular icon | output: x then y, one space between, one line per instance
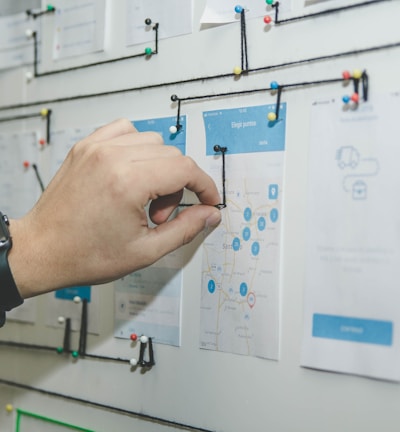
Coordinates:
247 214
273 215
246 233
236 244
243 289
211 286
261 223
255 248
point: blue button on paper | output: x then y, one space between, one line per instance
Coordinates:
353 329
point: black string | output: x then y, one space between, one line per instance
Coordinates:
324 12
67 336
27 116
34 15
206 78
278 101
118 410
83 329
243 41
74 68
39 179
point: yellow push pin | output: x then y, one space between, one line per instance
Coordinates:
44 112
9 408
271 116
237 70
357 73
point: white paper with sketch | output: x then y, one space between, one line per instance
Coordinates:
78 27
352 296
164 13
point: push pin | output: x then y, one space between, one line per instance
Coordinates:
29 76
269 2
133 337
77 299
44 112
42 142
9 408
61 320
238 9
26 164
267 19
75 354
133 362
148 51
237 70
173 130
274 85
29 33
346 75
271 116
147 21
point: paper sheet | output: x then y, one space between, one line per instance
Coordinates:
171 23
149 301
217 12
241 257
352 298
78 27
15 48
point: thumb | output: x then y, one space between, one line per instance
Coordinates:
183 228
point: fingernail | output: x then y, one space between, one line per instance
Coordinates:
213 220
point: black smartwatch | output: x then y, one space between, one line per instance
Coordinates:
9 294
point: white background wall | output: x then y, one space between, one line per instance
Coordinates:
215 391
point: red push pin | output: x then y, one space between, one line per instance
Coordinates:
26 164
346 75
267 19
42 141
133 337
355 97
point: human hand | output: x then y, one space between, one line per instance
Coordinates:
90 224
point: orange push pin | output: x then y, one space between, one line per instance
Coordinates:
26 164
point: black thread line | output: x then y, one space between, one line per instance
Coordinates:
67 336
74 68
21 117
69 351
324 12
28 116
119 410
83 329
243 41
207 78
38 177
278 101
34 15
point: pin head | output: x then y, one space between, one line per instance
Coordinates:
238 9
355 97
147 21
274 85
26 164
271 116
267 19
174 98
133 337
346 75
357 73
269 2
173 130
148 51
237 70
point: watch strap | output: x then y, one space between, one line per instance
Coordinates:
9 294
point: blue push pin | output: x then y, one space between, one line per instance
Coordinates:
346 99
274 85
238 9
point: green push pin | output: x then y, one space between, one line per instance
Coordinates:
269 2
60 350
50 8
75 354
148 51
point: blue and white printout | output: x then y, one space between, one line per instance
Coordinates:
352 297
241 257
148 301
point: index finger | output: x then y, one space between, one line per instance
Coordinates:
175 173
